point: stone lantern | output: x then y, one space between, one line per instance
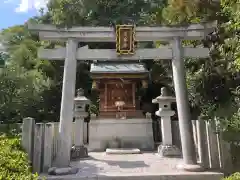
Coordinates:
80 103
166 148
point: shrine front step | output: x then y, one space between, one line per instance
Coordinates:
143 176
113 151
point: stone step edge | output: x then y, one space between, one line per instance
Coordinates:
122 151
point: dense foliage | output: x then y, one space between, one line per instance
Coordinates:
235 176
14 162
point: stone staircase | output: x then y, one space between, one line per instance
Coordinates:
196 176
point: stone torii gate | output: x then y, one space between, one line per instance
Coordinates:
175 52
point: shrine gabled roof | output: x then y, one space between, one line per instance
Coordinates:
118 68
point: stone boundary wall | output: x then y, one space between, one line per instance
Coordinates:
40 140
211 150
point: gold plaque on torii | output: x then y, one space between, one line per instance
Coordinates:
125 39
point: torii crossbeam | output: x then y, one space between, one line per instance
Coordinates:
84 53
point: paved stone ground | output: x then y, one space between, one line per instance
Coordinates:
133 166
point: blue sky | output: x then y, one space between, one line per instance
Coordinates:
15 12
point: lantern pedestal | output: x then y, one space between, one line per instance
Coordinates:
167 148
78 152
168 151
62 171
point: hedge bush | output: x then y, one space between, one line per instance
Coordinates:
14 164
235 176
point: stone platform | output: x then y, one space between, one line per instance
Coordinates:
145 166
130 133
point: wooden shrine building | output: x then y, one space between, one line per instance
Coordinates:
120 117
117 84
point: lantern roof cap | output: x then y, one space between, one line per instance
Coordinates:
164 97
81 97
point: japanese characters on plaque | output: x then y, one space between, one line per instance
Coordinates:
125 39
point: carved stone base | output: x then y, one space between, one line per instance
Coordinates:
142 139
169 151
78 152
190 167
114 143
62 171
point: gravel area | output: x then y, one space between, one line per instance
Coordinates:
129 165
103 164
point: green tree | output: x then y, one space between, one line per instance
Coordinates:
213 81
99 12
22 83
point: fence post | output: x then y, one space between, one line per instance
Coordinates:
195 137
227 163
202 143
213 153
55 140
38 147
85 133
74 128
48 146
28 136
176 134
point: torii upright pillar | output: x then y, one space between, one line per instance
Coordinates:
67 104
185 125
